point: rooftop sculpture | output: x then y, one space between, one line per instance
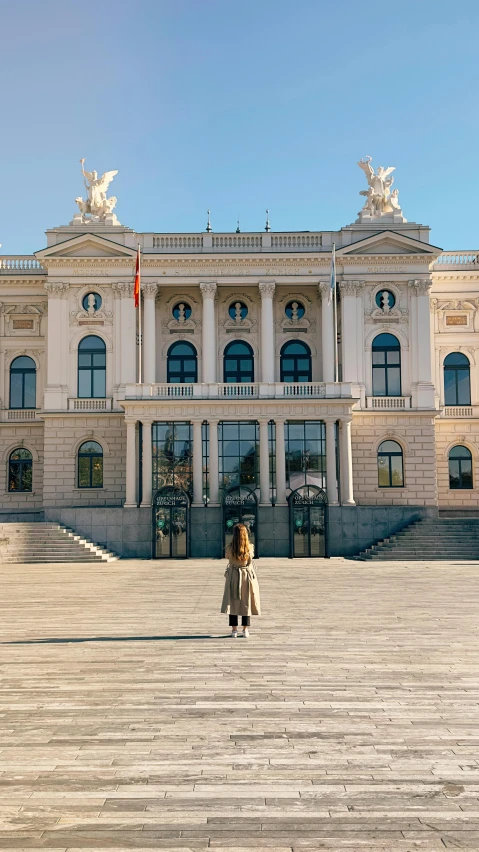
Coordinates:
381 202
97 207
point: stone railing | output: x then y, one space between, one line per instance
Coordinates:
18 414
457 260
247 242
20 263
86 404
388 403
460 411
253 390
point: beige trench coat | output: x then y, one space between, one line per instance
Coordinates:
241 595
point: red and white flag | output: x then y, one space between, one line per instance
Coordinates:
136 291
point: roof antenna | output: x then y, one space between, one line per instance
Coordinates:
267 226
208 224
237 226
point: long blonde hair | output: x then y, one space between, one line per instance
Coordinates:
240 546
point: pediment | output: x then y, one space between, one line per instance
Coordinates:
86 245
388 243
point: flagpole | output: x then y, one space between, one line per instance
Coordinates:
335 319
139 322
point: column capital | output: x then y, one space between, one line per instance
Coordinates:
324 286
124 290
330 418
266 289
147 421
279 421
422 286
345 418
55 289
149 290
351 288
208 290
131 421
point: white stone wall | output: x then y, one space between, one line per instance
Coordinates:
448 435
415 434
63 436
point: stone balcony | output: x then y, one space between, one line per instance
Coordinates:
245 391
462 412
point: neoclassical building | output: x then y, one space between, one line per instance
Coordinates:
250 405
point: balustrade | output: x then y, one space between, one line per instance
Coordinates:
20 263
454 258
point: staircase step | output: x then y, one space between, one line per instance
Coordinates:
429 539
48 542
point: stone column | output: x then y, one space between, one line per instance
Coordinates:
266 291
208 291
327 331
264 463
331 470
280 464
147 458
56 387
422 390
128 322
349 329
149 333
131 500
347 498
197 464
214 467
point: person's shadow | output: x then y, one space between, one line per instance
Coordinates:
76 639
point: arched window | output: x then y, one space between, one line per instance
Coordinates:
23 383
386 366
457 383
390 465
182 363
20 469
460 468
92 368
238 362
90 465
295 362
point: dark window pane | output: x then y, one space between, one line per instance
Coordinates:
97 472
26 476
454 481
14 477
99 359
396 471
394 381
450 395
456 359
30 390
379 382
84 383
466 474
379 357
84 472
84 359
99 380
16 385
463 387
383 472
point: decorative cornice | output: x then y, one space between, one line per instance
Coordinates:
55 289
208 290
266 289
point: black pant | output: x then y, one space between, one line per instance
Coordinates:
245 621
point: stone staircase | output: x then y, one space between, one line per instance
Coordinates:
435 539
46 542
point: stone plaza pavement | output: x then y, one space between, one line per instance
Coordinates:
349 721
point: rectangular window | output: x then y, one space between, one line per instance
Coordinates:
305 446
172 451
238 454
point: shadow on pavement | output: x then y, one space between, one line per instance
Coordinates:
73 639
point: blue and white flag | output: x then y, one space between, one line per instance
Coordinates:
332 286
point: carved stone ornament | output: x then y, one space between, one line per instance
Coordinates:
22 320
351 288
170 324
266 289
323 288
208 290
91 316
97 207
295 323
149 290
123 290
420 285
238 323
55 289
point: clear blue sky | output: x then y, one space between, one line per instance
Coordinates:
238 106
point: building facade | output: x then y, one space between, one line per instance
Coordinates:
246 407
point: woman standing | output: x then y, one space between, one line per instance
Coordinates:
241 595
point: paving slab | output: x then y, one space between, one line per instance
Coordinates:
130 720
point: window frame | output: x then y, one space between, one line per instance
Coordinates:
237 374
91 368
90 457
295 356
459 460
389 455
385 367
23 371
182 373
23 464
454 368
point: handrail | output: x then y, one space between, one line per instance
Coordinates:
20 262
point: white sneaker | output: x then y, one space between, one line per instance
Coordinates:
246 633
234 634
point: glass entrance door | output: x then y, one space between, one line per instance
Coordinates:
308 522
240 507
170 524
